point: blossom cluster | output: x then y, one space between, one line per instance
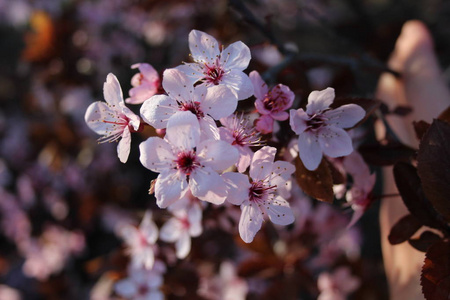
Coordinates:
208 152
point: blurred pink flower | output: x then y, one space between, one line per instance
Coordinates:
261 196
338 285
8 293
113 119
185 162
214 67
141 242
271 104
145 84
320 128
184 224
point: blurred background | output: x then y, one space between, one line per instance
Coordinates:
62 195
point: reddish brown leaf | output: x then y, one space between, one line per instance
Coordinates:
404 229
318 183
435 277
386 155
264 266
402 110
426 239
410 188
434 166
445 115
420 127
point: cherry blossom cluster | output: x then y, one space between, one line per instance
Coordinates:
206 152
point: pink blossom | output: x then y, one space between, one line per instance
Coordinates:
184 224
113 119
338 285
145 84
320 128
141 242
186 162
238 132
360 194
142 284
271 104
214 67
8 293
264 195
206 104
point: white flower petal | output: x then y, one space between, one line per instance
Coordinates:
250 221
171 230
112 90
262 161
218 155
207 185
156 154
95 114
335 142
148 228
123 148
236 56
259 86
345 116
194 214
177 85
192 70
219 102
298 120
209 130
279 212
183 245
239 83
238 187
309 149
170 187
319 101
157 110
204 47
183 130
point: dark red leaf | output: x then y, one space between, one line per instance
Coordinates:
404 229
434 166
445 115
338 177
435 277
410 188
402 110
421 127
318 183
386 155
426 239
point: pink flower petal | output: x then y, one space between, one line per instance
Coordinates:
157 110
236 56
183 130
264 124
94 116
177 85
259 86
239 83
112 90
170 187
156 154
279 212
309 150
219 102
218 155
298 120
261 165
123 148
335 142
207 185
319 100
183 245
250 221
208 128
147 70
238 187
171 230
204 47
345 116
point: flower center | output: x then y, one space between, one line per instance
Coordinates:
316 121
187 162
214 73
193 107
258 191
275 100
